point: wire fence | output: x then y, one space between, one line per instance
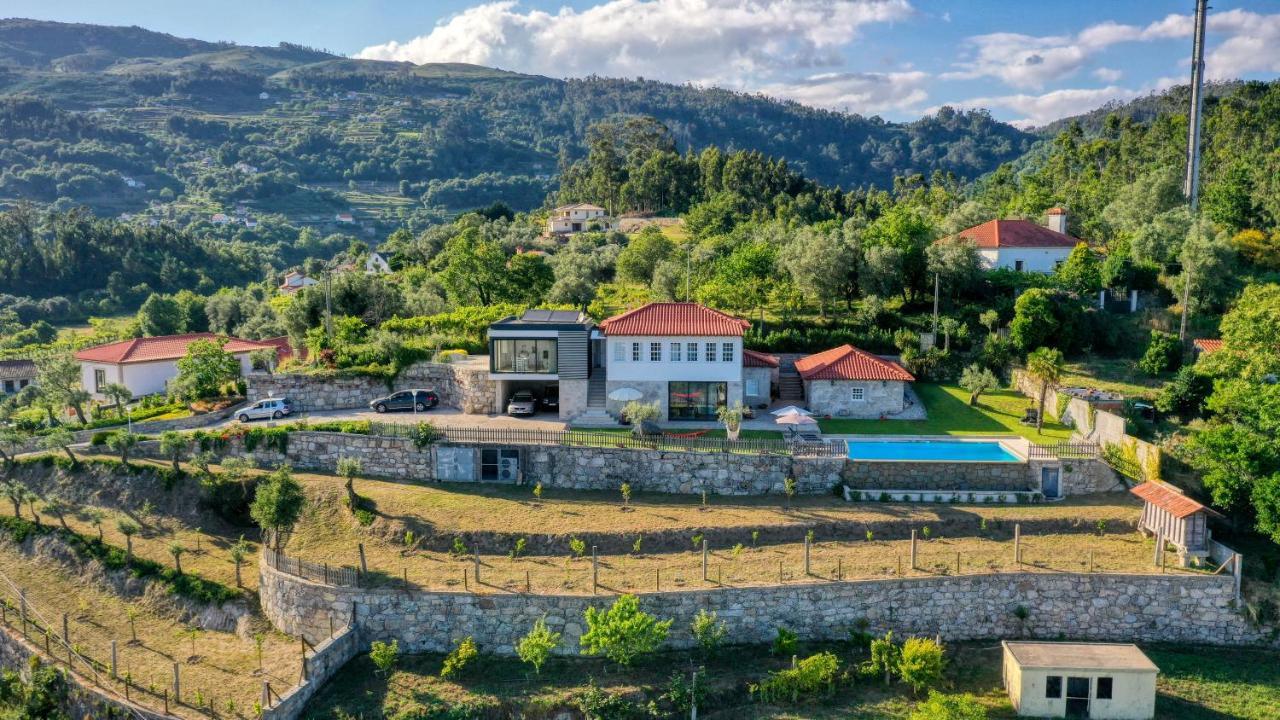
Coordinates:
581 570
602 439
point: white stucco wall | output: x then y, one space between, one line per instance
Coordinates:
1133 693
143 378
1041 260
645 369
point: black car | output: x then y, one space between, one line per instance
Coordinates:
419 400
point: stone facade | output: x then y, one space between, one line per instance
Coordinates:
1080 477
835 398
762 378
573 398
940 476
325 661
463 385
1143 608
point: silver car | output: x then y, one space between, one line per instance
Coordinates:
522 403
273 408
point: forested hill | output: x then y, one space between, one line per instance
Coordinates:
309 123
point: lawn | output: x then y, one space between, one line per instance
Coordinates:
1195 683
997 413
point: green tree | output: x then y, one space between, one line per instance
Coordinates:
977 380
160 315
349 468
645 250
472 270
1045 318
818 263
205 369
384 655
905 229
536 647
277 504
238 551
940 706
1163 354
173 444
1185 394
119 395
1045 366
15 492
60 438
58 377
956 263
921 663
1081 272
709 631
122 441
128 529
623 632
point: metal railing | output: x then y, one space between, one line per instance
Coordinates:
591 438
319 572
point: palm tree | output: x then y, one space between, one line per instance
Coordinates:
128 528
176 550
1045 366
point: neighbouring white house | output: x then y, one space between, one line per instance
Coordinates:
146 365
16 375
295 281
345 218
220 219
1023 245
1104 681
853 383
376 264
576 218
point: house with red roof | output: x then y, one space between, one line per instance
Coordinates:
146 365
686 357
1021 244
852 383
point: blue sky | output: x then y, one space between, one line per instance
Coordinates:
1028 62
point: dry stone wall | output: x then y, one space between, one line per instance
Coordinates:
1150 608
465 386
940 476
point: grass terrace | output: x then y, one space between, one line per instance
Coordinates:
997 413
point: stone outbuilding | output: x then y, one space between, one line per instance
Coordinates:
759 373
1105 681
853 383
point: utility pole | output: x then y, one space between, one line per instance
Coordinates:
935 306
1191 186
688 268
328 304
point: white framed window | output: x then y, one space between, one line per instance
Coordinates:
99 379
635 352
726 352
710 352
655 352
692 353
619 352
857 394
675 352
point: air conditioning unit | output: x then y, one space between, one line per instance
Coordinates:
509 469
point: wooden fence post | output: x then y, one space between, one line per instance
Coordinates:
595 570
704 559
364 568
113 659
476 558
266 694
22 609
913 549
1017 543
1091 562
807 544
66 635
177 685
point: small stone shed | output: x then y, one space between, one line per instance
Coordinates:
759 375
1104 681
1182 521
853 383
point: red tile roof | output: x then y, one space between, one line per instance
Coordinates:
849 363
1168 499
672 318
1207 345
751 358
1017 233
165 347
1056 211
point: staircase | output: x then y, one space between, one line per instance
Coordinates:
596 391
790 387
595 414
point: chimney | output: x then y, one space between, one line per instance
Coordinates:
1057 220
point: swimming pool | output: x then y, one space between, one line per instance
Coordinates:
937 450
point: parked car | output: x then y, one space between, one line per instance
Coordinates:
551 399
274 408
419 400
522 403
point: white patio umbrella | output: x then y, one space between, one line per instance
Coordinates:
625 394
790 410
795 419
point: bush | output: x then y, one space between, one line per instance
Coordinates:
810 675
949 707
1164 354
921 662
463 656
623 632
1185 395
384 655
785 643
536 647
709 631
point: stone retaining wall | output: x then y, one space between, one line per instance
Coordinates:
1144 608
940 476
465 386
325 661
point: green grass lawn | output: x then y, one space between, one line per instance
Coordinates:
1195 683
997 413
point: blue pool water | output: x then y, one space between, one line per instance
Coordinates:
944 450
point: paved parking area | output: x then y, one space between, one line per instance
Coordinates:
440 417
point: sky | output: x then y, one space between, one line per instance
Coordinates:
1028 62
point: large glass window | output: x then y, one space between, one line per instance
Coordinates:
695 400
522 355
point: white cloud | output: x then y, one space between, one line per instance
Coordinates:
1106 74
739 43
1037 110
855 91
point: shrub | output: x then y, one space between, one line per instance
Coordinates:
921 662
599 704
536 647
384 655
1164 353
709 631
424 434
785 642
949 707
810 675
884 657
623 632
456 662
